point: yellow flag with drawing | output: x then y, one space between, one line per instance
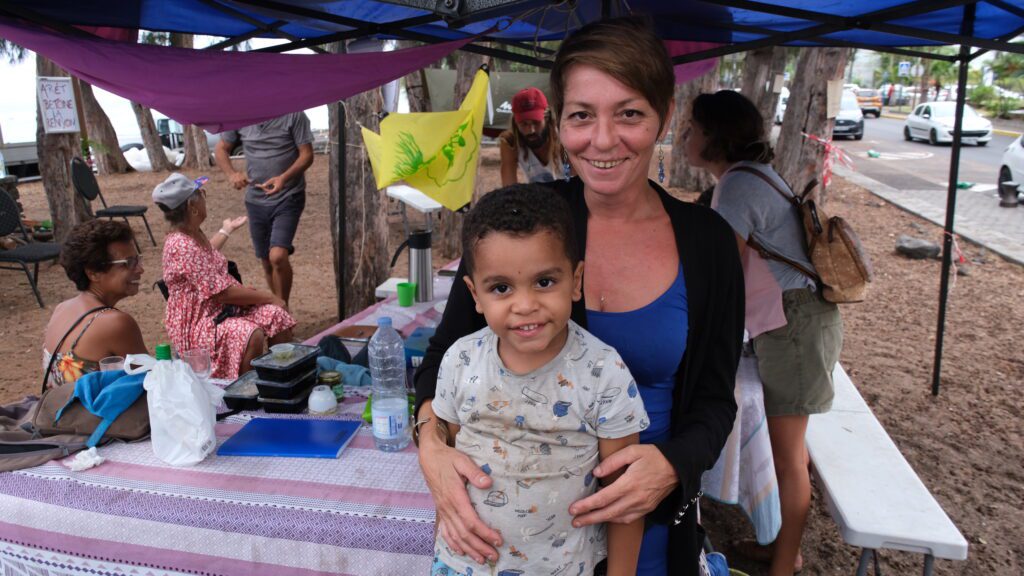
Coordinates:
435 152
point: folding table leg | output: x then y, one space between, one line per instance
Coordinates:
865 558
929 563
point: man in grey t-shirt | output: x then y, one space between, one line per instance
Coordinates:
277 154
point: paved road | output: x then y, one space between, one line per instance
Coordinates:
913 175
918 165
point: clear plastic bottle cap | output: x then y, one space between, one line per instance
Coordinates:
384 321
163 351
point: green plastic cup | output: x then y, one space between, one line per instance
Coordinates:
406 293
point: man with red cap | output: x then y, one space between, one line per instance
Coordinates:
529 144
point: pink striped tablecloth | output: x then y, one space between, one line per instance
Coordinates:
366 512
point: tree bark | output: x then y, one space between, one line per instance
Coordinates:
759 70
450 227
681 174
365 243
55 151
798 159
150 138
106 151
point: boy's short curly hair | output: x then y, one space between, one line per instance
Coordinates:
86 248
519 210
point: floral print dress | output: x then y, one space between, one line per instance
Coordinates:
195 275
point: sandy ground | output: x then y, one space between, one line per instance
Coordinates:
967 444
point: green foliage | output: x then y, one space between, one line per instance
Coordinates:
12 52
982 96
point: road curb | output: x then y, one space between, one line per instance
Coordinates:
1000 131
977 233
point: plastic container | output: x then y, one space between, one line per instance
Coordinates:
242 394
302 360
390 409
286 405
286 389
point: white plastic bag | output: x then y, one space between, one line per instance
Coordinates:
182 409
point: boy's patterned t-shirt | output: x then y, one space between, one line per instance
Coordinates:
537 436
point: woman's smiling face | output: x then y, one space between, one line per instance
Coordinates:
608 130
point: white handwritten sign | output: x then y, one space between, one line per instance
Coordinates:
57 103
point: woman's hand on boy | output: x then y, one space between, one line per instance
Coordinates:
646 481
446 472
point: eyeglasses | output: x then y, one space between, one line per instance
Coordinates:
131 262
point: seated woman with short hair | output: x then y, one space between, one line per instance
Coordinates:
99 256
206 307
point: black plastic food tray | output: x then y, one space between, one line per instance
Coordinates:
287 406
242 393
286 390
270 370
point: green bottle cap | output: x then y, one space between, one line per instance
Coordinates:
163 351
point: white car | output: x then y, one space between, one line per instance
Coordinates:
933 121
1012 165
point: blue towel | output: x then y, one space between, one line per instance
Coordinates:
351 374
107 395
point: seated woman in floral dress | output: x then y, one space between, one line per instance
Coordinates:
206 307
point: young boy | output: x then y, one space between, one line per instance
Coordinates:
535 400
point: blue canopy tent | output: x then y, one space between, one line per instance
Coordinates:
977 26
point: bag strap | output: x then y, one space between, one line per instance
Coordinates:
56 349
793 199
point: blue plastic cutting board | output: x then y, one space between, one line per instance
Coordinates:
291 438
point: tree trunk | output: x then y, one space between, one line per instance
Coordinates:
150 138
450 227
799 159
681 174
195 141
365 243
416 84
760 67
106 151
55 151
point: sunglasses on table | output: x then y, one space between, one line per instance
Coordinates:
130 262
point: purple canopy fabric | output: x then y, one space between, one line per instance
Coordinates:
221 90
690 70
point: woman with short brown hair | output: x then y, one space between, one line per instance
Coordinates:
662 285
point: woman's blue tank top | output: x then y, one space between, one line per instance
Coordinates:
651 340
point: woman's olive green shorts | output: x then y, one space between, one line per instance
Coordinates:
795 361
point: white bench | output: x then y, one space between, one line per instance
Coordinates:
872 492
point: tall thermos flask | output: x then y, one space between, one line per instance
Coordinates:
421 269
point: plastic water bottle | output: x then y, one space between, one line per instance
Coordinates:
390 406
3 166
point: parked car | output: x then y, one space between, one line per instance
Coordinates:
870 101
850 120
1012 164
934 122
780 108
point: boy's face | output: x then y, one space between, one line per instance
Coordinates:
525 286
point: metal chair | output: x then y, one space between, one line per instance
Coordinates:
85 184
31 252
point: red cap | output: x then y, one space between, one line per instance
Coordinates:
529 104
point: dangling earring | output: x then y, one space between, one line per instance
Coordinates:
661 164
566 167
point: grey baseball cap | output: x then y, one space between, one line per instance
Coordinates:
178 188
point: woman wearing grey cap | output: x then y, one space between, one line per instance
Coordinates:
206 307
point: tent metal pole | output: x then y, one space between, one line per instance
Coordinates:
954 173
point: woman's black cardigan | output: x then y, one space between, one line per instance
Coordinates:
704 405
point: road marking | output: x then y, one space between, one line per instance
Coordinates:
903 156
